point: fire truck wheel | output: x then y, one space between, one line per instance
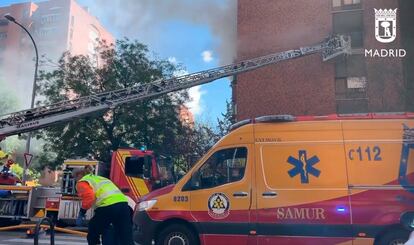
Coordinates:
176 235
394 237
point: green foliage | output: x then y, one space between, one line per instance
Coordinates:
227 120
18 170
154 123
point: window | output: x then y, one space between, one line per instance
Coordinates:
50 18
346 4
356 66
3 35
352 66
26 13
94 34
46 32
356 83
349 23
351 85
224 166
4 22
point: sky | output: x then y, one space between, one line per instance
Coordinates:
198 34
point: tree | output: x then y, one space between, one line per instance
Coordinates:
228 119
200 138
18 170
151 122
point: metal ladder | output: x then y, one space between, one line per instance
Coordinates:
43 116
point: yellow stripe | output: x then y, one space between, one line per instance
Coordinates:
77 162
15 188
138 183
121 165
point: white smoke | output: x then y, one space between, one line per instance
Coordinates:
207 56
144 19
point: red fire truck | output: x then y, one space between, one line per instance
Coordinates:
62 203
142 162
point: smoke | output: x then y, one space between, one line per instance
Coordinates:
145 19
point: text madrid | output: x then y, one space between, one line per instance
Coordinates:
385 53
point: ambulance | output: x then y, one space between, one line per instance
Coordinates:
335 179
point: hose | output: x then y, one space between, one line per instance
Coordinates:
28 226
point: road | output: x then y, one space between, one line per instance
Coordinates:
19 238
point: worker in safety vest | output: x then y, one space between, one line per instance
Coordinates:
3 155
111 207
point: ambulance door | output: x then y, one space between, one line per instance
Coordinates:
302 194
221 196
380 156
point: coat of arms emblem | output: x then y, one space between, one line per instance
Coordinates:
385 25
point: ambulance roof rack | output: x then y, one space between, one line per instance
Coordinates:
263 119
240 123
275 118
352 116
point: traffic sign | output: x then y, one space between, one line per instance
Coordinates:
27 159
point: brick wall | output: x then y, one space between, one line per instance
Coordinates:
301 86
307 85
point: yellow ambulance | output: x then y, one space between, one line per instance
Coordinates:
336 179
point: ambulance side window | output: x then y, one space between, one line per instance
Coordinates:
224 166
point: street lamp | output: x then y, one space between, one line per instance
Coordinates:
12 19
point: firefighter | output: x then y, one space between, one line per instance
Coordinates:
111 207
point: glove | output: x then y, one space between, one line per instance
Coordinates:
81 218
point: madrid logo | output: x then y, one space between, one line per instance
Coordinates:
385 25
385 32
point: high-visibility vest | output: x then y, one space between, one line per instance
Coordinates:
2 154
106 192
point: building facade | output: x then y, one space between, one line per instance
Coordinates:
57 26
308 86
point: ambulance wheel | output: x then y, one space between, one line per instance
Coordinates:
395 237
176 235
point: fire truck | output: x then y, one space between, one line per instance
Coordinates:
62 203
135 172
66 207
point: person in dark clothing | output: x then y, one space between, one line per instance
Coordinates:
111 207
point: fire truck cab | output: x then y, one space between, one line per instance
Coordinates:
123 160
336 179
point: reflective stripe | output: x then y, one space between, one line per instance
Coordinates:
105 195
106 192
100 184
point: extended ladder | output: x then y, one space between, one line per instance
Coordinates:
43 116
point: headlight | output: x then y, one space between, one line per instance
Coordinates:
145 205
